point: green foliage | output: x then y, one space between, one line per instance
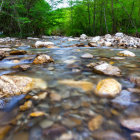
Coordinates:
92 17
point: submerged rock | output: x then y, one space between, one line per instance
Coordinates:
40 44
108 88
42 58
126 53
22 67
37 114
105 68
107 135
135 79
86 86
135 136
26 105
95 123
131 123
123 100
16 85
87 55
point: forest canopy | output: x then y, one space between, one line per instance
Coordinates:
93 17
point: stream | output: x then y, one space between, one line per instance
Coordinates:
67 115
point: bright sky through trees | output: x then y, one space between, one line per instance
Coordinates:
59 5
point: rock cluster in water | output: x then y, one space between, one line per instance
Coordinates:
16 85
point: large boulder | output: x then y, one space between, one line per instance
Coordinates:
16 85
108 88
40 44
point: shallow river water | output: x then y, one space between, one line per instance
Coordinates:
71 114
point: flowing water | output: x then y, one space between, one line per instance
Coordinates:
77 107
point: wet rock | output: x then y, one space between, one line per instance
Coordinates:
46 123
95 39
16 61
93 44
118 58
107 135
42 95
22 67
134 90
86 86
35 133
71 122
54 131
40 44
108 36
67 136
5 49
42 58
108 44
135 79
108 88
2 55
87 55
21 136
27 105
126 53
3 131
69 61
95 123
123 100
105 68
135 136
18 52
37 114
72 39
32 38
83 37
55 97
119 35
131 123
16 85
